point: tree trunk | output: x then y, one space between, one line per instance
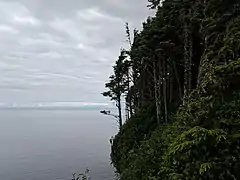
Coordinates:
186 58
130 103
170 75
164 80
156 90
188 48
190 76
200 69
126 109
119 106
130 109
178 80
135 91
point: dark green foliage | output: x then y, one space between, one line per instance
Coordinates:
185 150
81 176
185 61
154 3
130 136
147 159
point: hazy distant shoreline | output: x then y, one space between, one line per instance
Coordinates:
53 108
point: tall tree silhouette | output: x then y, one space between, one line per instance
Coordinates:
117 84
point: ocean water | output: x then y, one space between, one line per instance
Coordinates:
52 144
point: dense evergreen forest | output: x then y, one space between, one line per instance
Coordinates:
180 80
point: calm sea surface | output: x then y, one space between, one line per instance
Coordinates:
53 144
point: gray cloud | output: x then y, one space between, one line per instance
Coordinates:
61 50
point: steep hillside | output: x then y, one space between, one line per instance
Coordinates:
184 104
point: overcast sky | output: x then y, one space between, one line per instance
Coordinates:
62 50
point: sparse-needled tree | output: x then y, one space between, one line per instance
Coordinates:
117 85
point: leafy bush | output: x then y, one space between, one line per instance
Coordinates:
133 132
81 176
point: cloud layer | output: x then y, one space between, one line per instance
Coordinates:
61 50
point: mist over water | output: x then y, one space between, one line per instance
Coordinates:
53 144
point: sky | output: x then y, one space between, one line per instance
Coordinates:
62 50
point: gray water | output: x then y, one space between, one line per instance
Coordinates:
53 144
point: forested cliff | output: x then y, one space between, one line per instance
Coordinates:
181 83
